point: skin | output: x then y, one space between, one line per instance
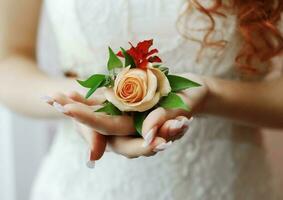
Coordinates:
257 104
99 129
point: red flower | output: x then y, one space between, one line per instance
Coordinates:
141 54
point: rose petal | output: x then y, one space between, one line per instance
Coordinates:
140 107
124 74
136 94
138 74
163 84
152 97
120 76
149 82
147 104
111 97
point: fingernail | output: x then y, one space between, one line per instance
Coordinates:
163 146
59 107
187 123
148 138
190 120
177 124
47 99
90 163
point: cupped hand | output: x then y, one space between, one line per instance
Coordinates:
172 124
117 133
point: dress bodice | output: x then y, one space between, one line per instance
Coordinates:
84 29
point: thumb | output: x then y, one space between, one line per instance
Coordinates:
156 119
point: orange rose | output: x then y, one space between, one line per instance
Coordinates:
137 89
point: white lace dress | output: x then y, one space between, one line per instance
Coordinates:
216 159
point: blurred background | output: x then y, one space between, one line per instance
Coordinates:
23 143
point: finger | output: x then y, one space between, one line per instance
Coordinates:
98 146
47 99
97 143
62 99
132 147
58 97
94 100
58 101
174 129
156 119
104 124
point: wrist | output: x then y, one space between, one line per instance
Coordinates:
197 97
208 104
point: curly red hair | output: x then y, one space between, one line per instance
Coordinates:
257 22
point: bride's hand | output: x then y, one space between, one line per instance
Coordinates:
92 125
168 122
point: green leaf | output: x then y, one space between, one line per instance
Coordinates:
139 117
179 83
109 82
92 81
90 92
173 101
109 109
129 61
113 61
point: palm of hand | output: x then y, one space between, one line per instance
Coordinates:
117 133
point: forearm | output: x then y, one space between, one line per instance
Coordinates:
259 103
22 85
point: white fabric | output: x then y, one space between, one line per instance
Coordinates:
7 183
215 160
23 142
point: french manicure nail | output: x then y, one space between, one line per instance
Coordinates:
191 119
187 124
186 121
177 124
163 146
90 164
148 138
59 107
47 99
